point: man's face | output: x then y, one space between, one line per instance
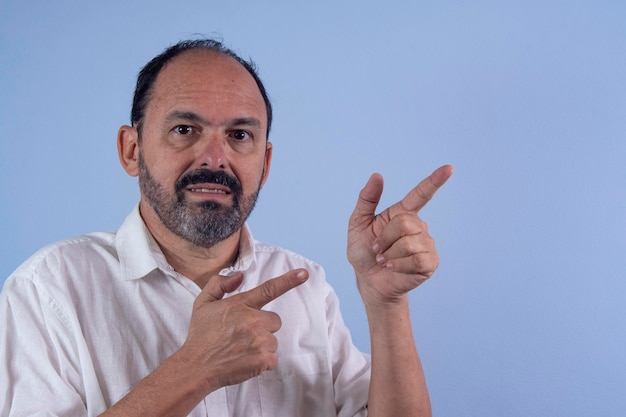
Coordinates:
203 152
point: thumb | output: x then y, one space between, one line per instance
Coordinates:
368 199
218 285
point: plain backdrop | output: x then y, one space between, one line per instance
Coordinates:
527 99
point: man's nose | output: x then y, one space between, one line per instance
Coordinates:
212 152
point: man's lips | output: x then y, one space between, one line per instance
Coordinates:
208 185
206 190
209 189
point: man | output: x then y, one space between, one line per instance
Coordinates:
181 312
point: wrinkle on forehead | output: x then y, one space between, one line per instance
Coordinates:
192 69
208 77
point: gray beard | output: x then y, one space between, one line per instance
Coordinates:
203 224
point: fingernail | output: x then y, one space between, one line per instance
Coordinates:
301 275
376 247
380 259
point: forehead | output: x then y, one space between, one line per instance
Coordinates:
208 80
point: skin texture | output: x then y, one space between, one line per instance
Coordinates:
207 113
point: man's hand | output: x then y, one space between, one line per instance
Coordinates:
232 340
391 252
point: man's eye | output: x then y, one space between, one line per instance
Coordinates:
239 134
183 130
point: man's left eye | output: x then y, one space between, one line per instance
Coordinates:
239 134
183 129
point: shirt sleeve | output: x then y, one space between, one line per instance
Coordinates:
351 368
39 373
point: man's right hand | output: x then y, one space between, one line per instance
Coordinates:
232 340
229 341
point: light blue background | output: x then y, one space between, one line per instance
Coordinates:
527 99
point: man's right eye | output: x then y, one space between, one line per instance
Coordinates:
183 129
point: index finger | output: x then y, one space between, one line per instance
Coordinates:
274 288
417 198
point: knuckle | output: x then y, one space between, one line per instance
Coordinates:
425 263
258 341
262 322
409 224
273 345
264 361
270 361
257 344
276 321
412 247
268 290
418 262
424 191
403 220
252 325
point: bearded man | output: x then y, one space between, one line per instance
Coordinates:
181 312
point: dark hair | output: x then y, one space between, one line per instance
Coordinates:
148 74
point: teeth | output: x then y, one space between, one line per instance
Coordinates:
207 190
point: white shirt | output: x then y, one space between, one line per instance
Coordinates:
85 319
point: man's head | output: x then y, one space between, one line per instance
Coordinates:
198 142
148 74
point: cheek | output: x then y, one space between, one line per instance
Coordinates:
251 177
165 172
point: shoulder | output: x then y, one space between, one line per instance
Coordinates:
55 276
65 257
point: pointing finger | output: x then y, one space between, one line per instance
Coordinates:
274 288
417 198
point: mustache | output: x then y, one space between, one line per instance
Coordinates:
205 176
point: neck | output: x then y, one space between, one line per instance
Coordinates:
192 261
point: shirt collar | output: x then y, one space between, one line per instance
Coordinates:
246 257
139 253
137 250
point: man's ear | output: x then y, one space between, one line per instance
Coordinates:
267 163
128 149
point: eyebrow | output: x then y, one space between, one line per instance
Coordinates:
186 115
194 117
245 121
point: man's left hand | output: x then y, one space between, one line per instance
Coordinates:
392 252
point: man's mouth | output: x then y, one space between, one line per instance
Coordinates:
207 190
210 184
